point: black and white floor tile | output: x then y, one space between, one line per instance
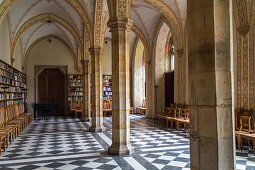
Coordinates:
67 144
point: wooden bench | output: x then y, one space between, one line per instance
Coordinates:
13 129
175 114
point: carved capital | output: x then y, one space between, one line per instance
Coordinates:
123 24
95 51
244 30
85 62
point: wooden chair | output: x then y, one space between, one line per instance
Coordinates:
78 109
107 107
183 118
142 109
73 105
245 131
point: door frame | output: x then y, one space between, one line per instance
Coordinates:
63 69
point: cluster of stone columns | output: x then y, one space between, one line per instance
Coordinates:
210 95
120 87
119 27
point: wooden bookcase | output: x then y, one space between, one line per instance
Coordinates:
15 81
75 88
107 87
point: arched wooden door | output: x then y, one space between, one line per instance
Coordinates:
52 88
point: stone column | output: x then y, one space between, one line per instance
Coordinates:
120 87
180 75
210 94
150 89
86 113
97 100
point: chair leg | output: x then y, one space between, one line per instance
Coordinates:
0 147
253 146
177 125
4 143
239 142
7 141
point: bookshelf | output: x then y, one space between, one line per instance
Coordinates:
107 87
75 88
14 81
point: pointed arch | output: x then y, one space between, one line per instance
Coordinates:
6 5
42 18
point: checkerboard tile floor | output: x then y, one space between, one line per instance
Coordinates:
67 144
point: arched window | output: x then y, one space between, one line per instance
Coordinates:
170 53
172 57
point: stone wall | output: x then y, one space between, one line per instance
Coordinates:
160 59
5 42
139 75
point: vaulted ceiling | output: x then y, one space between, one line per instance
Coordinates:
26 23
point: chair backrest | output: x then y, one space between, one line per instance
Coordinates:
246 112
185 112
163 110
79 105
107 104
245 123
73 104
237 118
1 117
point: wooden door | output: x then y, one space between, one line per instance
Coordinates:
52 88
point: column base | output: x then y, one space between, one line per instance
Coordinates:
86 120
118 150
96 129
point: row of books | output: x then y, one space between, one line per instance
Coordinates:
107 88
75 77
11 103
107 97
6 67
107 93
17 77
11 96
72 98
105 77
75 89
107 84
75 93
75 84
12 89
11 82
75 81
